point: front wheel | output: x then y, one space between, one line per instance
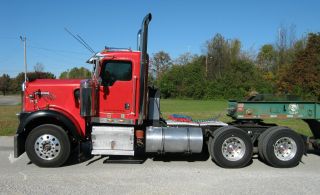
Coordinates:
231 148
48 146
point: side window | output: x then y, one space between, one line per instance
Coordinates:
113 71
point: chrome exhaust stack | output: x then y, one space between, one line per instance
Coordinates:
142 45
88 98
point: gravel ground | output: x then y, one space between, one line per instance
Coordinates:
19 176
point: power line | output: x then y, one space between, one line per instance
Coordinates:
10 54
60 59
55 50
9 38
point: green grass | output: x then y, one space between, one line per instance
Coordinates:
197 109
295 124
8 119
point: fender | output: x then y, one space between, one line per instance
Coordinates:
27 118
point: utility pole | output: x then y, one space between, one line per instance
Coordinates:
24 40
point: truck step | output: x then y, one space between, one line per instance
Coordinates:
124 160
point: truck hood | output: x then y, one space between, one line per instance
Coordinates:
52 94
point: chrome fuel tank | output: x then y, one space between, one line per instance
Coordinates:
174 140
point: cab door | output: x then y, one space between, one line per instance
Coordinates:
116 89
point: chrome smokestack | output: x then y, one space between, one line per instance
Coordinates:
143 47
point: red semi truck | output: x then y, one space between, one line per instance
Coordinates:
119 115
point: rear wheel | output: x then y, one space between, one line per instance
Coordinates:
209 145
231 147
261 140
282 148
212 136
48 146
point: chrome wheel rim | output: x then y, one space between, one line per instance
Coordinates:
285 148
47 147
233 148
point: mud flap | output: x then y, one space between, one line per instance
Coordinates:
19 145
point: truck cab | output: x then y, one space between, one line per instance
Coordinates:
118 93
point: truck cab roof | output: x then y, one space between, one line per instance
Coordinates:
113 53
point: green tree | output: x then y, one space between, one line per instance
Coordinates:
220 54
5 83
189 81
76 73
39 67
242 78
185 59
266 57
286 39
235 50
160 62
302 77
31 76
184 81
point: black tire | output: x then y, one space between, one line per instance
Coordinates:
48 146
209 146
283 148
234 137
261 140
211 139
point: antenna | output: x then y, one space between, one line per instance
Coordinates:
90 48
81 41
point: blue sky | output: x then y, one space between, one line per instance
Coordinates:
177 27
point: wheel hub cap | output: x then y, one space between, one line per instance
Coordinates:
285 148
233 148
47 147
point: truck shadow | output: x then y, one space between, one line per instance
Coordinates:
80 154
83 154
313 151
203 156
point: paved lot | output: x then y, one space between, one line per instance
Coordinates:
9 100
18 176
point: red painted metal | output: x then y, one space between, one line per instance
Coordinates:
58 95
112 99
51 94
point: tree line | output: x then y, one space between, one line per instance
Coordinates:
288 67
13 85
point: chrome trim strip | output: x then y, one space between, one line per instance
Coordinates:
112 121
